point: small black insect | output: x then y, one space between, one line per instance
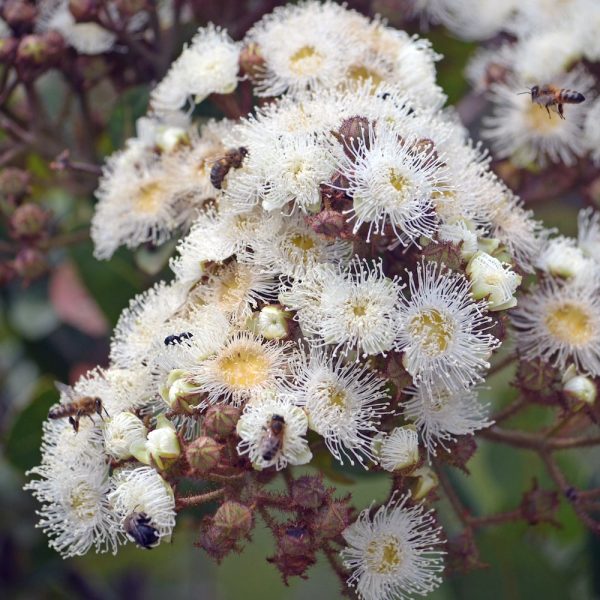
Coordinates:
138 529
171 340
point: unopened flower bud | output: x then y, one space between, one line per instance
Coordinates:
251 61
14 183
493 280
233 519
294 540
425 481
121 432
221 421
271 322
30 263
539 505
162 443
562 258
203 454
351 132
213 541
581 389
32 50
332 519
488 245
308 492
8 49
400 449
28 221
83 10
178 392
19 14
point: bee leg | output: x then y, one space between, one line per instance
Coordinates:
561 111
105 411
75 423
548 111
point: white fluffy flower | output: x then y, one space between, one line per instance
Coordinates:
442 329
121 432
352 309
143 490
136 329
257 438
524 131
399 449
441 414
560 322
243 368
304 47
344 402
460 233
288 246
76 512
588 237
207 66
392 555
392 181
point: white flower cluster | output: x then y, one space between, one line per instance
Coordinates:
546 44
322 232
559 320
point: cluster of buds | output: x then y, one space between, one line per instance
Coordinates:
28 226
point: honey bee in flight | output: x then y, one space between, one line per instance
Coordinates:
273 439
552 97
138 528
83 406
232 160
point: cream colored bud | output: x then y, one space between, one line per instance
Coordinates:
582 389
425 481
162 443
561 258
400 449
488 245
272 323
493 280
177 390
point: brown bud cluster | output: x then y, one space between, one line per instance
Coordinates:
539 506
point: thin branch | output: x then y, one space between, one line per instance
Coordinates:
508 411
186 501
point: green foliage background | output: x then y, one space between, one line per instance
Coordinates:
36 348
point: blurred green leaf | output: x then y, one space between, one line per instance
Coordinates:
23 441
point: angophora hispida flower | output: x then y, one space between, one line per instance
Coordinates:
346 263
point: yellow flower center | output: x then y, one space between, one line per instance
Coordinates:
384 556
233 285
149 198
360 74
433 330
305 61
82 501
244 365
359 310
570 324
303 242
538 119
336 397
399 182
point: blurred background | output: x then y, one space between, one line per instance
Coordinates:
56 320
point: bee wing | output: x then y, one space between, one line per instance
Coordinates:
63 389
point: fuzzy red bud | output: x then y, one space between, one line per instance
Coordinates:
332 519
221 421
30 263
28 221
234 520
308 492
203 454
